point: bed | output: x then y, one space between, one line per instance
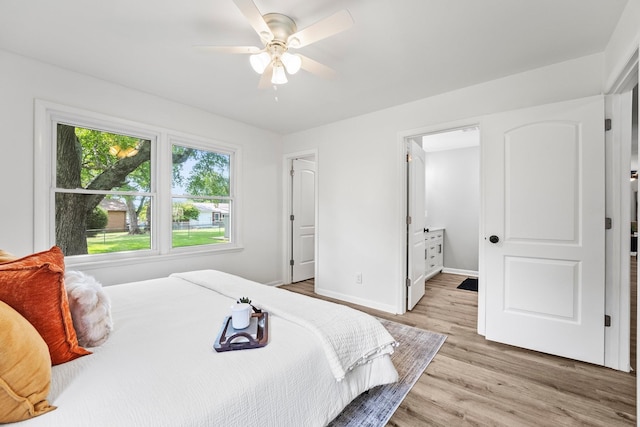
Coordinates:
158 367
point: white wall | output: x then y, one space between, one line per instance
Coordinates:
24 80
623 43
453 202
361 181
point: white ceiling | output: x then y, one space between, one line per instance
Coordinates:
396 52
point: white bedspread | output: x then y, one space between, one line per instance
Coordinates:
158 368
349 337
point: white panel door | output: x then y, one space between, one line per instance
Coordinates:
415 227
544 228
303 223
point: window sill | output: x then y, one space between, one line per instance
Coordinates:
123 259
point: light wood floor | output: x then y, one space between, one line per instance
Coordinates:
472 381
633 282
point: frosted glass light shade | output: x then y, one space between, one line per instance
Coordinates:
279 77
260 61
291 62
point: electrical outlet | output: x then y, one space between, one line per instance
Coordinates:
359 278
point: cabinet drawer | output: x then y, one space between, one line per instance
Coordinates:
430 266
438 259
434 248
433 235
434 252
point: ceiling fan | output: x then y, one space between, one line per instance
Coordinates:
279 34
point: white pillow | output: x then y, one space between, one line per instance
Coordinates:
90 308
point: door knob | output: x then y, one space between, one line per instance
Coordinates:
494 239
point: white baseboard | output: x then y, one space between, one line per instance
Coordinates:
460 272
355 300
273 284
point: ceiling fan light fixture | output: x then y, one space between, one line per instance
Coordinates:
279 77
260 61
279 33
293 42
291 62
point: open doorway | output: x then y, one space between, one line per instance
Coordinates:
301 216
449 214
452 183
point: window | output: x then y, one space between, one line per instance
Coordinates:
201 202
110 189
102 191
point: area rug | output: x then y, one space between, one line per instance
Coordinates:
416 350
469 284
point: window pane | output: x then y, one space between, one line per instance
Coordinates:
88 158
99 161
110 227
200 172
200 222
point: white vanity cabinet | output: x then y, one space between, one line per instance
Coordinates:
434 251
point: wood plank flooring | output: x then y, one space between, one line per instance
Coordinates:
475 382
633 282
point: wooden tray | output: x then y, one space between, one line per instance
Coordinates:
253 336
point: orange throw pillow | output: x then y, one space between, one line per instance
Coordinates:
25 368
34 287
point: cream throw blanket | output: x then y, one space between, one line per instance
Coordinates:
349 337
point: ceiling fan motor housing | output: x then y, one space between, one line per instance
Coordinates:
281 27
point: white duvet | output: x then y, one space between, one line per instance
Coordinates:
159 368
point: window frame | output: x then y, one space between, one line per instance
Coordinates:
199 144
48 115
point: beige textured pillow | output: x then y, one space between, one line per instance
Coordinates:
6 256
90 308
25 368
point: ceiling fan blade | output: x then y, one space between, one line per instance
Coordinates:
317 68
327 27
265 79
253 15
230 49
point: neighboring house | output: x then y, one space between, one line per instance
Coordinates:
116 214
211 214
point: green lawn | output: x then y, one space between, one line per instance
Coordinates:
120 242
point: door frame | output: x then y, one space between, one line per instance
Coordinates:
402 138
618 299
286 209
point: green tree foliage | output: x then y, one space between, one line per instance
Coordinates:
185 212
208 175
97 219
103 150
